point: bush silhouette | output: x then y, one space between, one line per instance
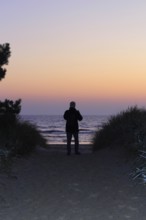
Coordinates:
5 53
16 136
126 129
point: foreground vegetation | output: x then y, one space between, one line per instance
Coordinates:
128 130
16 136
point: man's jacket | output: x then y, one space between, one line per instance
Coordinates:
72 116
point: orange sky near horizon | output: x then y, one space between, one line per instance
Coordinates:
103 78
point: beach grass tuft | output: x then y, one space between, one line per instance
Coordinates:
19 137
126 129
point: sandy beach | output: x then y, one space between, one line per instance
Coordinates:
49 185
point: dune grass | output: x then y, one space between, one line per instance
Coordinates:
19 137
126 130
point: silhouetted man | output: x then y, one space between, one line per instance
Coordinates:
72 116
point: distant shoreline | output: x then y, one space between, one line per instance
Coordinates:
57 145
64 144
62 147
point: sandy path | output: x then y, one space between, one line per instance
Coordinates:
52 186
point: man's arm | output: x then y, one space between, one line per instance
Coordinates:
80 117
65 115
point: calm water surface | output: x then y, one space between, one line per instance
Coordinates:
53 127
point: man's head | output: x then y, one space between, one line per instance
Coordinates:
72 104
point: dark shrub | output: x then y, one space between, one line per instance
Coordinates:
27 138
127 129
16 136
9 111
5 54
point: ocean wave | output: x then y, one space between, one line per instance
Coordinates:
51 131
85 131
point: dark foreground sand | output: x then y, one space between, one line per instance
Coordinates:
50 185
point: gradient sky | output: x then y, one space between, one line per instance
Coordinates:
90 51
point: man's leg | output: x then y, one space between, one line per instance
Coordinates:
69 137
76 137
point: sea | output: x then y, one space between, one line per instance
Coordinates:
52 127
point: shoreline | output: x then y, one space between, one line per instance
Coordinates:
80 145
83 148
